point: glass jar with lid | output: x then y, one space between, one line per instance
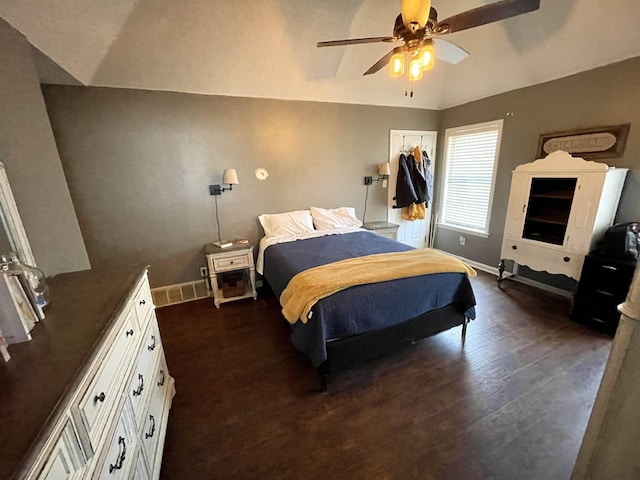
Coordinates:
10 264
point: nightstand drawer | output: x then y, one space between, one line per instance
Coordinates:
230 263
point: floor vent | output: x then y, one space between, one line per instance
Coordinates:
180 293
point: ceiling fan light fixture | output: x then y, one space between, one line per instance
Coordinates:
396 65
415 69
427 55
415 11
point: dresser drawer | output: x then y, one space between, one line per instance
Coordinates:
118 459
66 459
543 258
155 420
105 388
142 380
606 276
143 303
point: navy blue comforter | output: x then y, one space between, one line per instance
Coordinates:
362 308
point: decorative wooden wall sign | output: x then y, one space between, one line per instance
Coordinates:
600 142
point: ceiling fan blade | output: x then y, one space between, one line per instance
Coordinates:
380 64
448 51
355 41
486 14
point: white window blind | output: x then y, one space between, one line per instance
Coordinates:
470 163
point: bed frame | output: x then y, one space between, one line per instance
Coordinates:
348 351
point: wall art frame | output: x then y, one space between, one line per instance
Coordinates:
588 143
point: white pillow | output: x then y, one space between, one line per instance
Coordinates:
330 219
289 223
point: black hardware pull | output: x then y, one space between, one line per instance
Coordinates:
142 302
152 430
129 332
514 247
138 390
121 456
566 259
161 382
99 398
152 346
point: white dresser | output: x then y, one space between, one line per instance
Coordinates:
89 396
558 207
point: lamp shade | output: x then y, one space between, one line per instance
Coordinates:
230 177
384 169
416 12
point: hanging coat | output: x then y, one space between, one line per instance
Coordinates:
405 193
419 175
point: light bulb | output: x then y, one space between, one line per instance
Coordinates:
396 66
427 56
415 69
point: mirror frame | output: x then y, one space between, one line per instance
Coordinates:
12 222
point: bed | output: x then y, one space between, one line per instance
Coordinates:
361 322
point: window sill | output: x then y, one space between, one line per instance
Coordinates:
467 231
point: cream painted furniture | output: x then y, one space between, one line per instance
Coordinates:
558 207
386 229
223 260
89 396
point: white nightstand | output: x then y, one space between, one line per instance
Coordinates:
223 260
385 229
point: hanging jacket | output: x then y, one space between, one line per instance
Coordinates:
405 193
419 175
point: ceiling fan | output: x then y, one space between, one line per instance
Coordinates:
420 31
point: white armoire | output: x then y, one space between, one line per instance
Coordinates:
558 207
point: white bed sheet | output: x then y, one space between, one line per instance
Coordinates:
267 241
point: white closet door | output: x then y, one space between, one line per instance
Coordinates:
414 233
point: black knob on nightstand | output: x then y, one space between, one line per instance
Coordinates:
566 259
514 247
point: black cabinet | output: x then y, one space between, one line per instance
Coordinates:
603 285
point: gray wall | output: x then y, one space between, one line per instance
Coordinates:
28 150
139 163
605 96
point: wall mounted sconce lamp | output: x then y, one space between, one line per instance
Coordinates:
229 177
383 174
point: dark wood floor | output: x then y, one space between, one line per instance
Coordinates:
511 403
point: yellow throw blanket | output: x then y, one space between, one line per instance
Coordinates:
309 286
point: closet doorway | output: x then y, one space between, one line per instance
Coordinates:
414 233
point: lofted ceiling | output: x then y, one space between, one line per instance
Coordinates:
267 48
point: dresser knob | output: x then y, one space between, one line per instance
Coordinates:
142 302
566 259
99 398
129 332
514 247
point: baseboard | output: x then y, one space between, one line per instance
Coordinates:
514 277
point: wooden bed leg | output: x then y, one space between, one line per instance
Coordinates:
464 329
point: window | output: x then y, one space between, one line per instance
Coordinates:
470 161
